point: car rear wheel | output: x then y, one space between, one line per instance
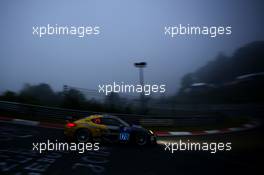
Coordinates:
141 139
83 135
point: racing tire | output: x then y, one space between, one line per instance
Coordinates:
141 139
83 135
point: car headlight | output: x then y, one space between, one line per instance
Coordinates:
151 132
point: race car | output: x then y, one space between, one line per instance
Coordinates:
107 128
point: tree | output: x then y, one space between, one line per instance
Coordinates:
74 99
113 101
187 81
38 94
9 96
223 73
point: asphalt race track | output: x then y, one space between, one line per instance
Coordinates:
17 157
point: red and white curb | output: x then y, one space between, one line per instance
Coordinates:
207 132
158 133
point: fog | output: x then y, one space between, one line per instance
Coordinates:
130 31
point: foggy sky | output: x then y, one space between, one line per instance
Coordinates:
131 31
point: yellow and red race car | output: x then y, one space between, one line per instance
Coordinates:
107 128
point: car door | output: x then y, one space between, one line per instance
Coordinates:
113 128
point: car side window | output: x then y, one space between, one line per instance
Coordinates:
111 121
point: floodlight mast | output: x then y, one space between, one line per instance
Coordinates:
140 66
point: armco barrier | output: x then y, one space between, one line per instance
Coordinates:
55 113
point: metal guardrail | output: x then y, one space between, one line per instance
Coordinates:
56 113
38 112
50 112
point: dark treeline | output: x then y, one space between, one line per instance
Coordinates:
235 79
42 94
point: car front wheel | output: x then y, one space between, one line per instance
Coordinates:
141 139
